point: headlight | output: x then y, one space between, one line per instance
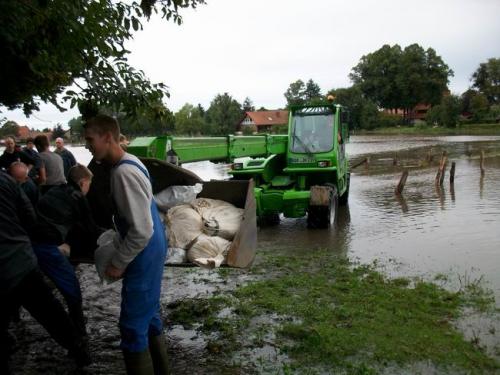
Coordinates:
324 163
237 166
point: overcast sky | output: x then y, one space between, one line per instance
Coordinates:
256 48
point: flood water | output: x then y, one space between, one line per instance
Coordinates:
428 231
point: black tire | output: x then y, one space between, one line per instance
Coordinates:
269 219
343 200
321 217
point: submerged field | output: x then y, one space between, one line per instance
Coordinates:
465 129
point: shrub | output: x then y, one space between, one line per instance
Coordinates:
387 120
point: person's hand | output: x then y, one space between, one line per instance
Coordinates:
65 249
113 273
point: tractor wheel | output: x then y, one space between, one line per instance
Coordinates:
324 216
343 200
269 219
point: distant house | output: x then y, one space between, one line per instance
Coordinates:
419 112
23 133
263 121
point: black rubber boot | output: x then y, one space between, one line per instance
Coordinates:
76 315
139 363
158 349
80 353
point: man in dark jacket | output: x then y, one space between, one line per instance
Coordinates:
21 283
66 155
60 210
19 171
11 154
29 150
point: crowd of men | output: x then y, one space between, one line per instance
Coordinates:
45 215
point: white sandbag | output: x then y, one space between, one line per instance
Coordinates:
176 256
209 251
210 263
184 226
108 243
175 195
220 218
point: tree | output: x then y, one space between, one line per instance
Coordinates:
446 113
465 99
479 107
9 128
248 105
299 93
312 91
224 114
146 122
487 80
377 76
295 93
49 46
394 78
76 128
189 121
58 132
363 112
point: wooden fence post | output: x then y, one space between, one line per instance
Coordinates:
401 183
481 163
365 160
441 170
452 173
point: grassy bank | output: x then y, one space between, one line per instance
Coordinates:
320 313
472 129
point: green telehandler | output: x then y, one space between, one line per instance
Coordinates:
303 173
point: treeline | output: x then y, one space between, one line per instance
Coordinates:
397 80
9 128
220 118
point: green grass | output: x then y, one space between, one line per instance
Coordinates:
342 316
465 129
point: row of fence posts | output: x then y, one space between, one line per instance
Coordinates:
440 175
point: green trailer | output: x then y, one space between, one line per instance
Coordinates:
303 173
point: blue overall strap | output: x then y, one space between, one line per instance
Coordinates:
131 162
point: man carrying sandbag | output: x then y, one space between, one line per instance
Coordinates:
142 251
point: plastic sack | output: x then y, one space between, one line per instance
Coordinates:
175 195
108 243
220 218
209 252
176 256
184 226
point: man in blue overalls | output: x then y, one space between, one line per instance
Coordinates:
141 256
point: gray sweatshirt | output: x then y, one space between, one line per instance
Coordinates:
132 194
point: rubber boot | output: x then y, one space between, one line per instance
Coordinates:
158 349
81 353
75 311
138 363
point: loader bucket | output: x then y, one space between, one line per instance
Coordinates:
163 174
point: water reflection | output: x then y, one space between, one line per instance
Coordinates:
402 202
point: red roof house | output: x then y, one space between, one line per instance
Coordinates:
263 121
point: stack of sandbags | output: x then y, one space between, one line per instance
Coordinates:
220 218
175 195
204 229
184 226
209 252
